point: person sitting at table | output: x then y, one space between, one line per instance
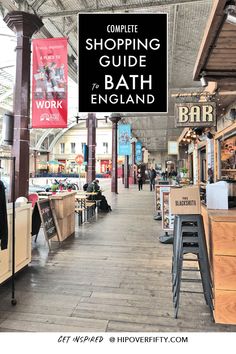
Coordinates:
85 186
94 187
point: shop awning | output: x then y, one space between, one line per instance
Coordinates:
216 57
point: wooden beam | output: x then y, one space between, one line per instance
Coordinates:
209 90
225 131
227 93
182 135
214 24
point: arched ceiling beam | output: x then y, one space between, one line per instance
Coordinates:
42 138
10 6
6 94
120 7
59 135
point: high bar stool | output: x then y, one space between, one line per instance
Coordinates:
189 237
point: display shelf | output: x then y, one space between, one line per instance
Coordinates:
229 169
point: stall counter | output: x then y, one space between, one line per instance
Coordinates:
22 241
220 230
64 206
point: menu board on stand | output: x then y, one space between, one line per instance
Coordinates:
49 220
167 216
158 200
162 204
158 197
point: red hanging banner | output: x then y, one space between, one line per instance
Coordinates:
49 83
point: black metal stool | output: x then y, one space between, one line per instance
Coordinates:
189 237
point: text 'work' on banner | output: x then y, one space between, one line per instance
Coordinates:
122 62
49 83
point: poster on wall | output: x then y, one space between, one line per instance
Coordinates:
124 136
122 62
49 83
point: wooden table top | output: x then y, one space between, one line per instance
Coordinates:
44 193
221 215
86 193
80 197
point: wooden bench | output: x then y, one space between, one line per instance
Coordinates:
90 207
80 212
84 207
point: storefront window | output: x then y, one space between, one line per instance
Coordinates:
228 158
105 148
72 148
62 148
203 165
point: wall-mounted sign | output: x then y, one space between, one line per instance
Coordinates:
195 114
122 62
173 148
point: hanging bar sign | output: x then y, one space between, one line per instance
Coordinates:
122 62
49 83
195 114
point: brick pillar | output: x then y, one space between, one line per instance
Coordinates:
114 119
24 25
91 142
133 145
126 171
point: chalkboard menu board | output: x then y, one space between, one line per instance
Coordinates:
48 219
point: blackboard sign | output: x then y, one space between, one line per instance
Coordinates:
48 219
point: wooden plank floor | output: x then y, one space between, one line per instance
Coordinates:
114 275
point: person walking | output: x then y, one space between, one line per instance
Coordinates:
140 179
152 175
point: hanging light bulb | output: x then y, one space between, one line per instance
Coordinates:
203 81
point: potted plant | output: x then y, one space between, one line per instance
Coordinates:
61 186
183 172
69 187
54 188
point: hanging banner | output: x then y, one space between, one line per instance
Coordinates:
124 136
139 154
49 83
122 62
